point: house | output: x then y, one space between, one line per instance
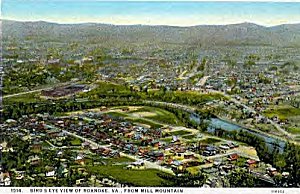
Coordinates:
233 157
155 143
36 147
53 133
79 181
189 156
79 159
5 179
136 165
227 167
209 151
272 171
34 160
157 155
224 147
85 144
53 61
217 162
19 175
252 163
189 163
103 108
50 174
285 174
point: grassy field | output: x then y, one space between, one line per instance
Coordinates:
111 161
116 114
143 121
209 141
144 178
76 142
114 168
167 139
159 115
294 130
189 136
194 169
283 112
297 138
26 98
135 120
180 132
144 115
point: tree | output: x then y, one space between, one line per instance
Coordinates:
241 178
184 180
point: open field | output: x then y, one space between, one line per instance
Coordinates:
157 114
190 136
115 168
250 151
76 142
283 112
144 178
25 98
209 140
144 114
294 130
180 132
143 121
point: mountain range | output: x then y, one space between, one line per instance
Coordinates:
222 35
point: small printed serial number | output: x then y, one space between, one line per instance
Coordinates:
16 190
277 191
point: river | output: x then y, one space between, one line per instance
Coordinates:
217 123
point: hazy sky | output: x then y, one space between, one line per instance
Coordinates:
151 13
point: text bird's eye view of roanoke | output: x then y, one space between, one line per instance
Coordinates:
150 94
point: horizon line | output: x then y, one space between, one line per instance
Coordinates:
139 24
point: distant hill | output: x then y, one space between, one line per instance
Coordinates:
234 34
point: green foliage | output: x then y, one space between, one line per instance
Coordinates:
31 75
283 113
141 178
249 63
241 178
252 57
263 79
185 180
180 132
209 141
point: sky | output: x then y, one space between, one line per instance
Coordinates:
172 13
